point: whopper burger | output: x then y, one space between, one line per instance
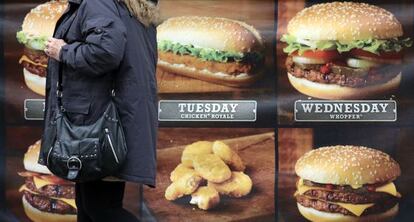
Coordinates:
37 27
217 50
347 184
46 198
344 50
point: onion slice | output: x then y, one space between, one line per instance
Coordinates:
361 63
306 60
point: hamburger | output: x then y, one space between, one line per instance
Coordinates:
37 27
217 50
46 198
347 184
344 50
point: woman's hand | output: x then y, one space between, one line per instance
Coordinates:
53 47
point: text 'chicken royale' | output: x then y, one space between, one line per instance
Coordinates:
347 184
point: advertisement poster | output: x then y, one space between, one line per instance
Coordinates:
288 111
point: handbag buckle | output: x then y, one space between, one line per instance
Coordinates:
74 163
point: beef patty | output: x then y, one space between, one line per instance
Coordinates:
37 57
46 204
52 190
349 197
378 207
334 74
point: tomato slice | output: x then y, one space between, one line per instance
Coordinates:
382 55
320 54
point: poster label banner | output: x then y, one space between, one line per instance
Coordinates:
345 111
207 110
34 109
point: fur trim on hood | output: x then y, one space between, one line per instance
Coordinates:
146 11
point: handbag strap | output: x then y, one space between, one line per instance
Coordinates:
59 92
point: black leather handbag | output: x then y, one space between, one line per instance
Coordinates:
90 152
82 153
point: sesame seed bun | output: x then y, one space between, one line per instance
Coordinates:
210 32
35 82
41 20
344 21
31 157
320 216
347 165
41 216
334 91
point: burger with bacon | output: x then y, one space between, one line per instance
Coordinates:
344 50
46 198
347 184
37 27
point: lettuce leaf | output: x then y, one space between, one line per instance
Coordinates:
206 54
370 45
34 42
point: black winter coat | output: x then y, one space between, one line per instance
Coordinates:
106 45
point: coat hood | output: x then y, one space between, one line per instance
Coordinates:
146 11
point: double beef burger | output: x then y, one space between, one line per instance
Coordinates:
37 27
344 50
217 50
46 198
347 184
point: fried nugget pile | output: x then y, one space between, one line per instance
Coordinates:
208 170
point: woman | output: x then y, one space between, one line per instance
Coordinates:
100 45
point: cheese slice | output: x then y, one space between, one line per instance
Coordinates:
39 183
26 59
388 188
71 202
356 209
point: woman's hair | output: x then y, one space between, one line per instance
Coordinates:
146 11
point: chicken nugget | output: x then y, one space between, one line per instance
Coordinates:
180 171
205 197
229 156
211 168
185 185
238 185
190 151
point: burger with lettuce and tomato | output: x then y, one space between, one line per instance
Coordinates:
344 50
